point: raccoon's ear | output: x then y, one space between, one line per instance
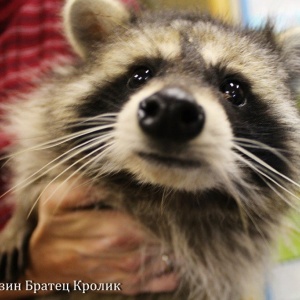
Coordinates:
290 44
90 21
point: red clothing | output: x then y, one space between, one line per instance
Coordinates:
31 40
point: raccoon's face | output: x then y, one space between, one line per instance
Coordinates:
181 101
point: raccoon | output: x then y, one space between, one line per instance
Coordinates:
192 120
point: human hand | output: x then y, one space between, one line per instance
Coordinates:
95 246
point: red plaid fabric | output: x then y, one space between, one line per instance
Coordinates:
31 41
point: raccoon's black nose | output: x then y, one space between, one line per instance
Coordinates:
171 114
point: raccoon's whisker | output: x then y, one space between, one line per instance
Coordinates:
254 146
82 147
262 163
94 132
281 196
252 143
70 137
90 124
55 142
271 150
97 120
36 175
80 172
66 170
100 118
267 171
258 167
275 177
92 137
258 170
277 183
95 160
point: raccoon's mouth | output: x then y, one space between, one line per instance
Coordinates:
169 161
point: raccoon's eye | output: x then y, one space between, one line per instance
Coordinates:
139 77
234 92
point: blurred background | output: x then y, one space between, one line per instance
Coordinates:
283 281
286 13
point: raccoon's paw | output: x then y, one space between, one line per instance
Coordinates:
13 255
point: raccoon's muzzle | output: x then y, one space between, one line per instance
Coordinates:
171 115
